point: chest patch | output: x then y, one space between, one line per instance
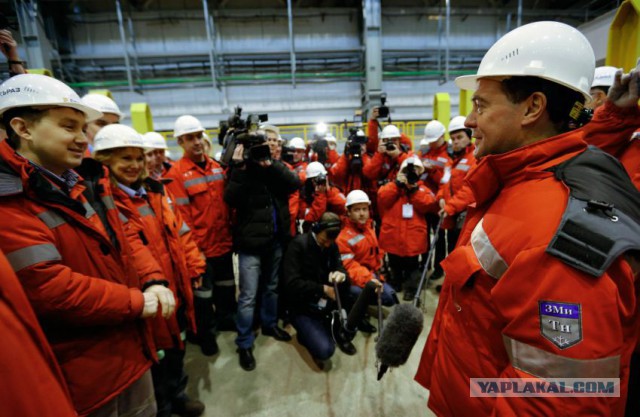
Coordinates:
561 323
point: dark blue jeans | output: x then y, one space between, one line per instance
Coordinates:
314 334
388 294
253 269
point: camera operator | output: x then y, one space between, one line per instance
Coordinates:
347 171
258 189
436 159
311 266
198 188
298 164
404 233
318 196
373 131
385 164
323 149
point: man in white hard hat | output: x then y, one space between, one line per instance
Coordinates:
539 285
111 114
436 159
299 164
64 238
318 196
602 81
154 153
198 188
385 164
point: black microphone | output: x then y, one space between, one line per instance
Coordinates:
359 309
398 337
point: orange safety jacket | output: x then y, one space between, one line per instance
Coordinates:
508 309
441 161
455 192
404 229
382 167
32 384
199 197
80 279
170 242
359 251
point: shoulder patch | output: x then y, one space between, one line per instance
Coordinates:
561 323
10 184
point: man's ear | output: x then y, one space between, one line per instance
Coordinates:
534 109
21 127
180 141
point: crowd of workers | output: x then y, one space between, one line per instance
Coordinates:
122 255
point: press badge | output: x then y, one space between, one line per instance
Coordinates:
407 211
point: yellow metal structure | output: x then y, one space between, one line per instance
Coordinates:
141 119
465 104
41 71
624 36
102 92
442 110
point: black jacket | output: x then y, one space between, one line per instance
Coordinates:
306 271
254 193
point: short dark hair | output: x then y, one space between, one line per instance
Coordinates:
30 114
603 88
561 100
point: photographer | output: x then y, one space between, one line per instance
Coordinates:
404 234
258 189
436 159
317 196
385 164
323 149
298 162
347 171
374 128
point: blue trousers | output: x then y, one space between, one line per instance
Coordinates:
388 294
314 334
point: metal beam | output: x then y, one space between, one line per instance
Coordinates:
372 12
123 39
292 45
448 32
37 45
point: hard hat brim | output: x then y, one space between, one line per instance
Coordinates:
90 113
186 132
427 140
470 82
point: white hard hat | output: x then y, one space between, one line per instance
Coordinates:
415 161
270 128
424 142
206 138
314 169
28 90
297 143
357 196
186 124
154 140
551 50
330 138
117 136
218 155
604 76
390 131
457 123
102 103
433 131
360 132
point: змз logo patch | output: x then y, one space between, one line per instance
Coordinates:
561 323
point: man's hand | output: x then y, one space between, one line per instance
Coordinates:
9 45
382 148
238 157
394 153
264 164
322 188
624 91
379 286
402 178
165 299
196 282
427 164
329 292
150 308
337 277
442 203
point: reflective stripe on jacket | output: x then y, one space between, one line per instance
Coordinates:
359 252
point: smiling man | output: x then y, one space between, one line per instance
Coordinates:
539 285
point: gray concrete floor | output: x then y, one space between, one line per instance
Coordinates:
287 383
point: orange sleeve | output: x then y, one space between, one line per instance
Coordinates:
611 128
358 274
372 134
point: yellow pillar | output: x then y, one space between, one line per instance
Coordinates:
442 109
465 106
141 118
102 92
623 46
41 71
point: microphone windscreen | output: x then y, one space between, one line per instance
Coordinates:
399 334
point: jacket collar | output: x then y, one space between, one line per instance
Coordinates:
192 165
495 172
356 226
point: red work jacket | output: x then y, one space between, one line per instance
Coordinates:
455 192
359 251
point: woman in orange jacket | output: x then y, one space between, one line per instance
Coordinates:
147 207
403 234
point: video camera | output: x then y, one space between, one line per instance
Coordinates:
244 132
353 148
287 154
383 110
321 147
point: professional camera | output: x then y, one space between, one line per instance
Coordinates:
223 128
580 116
287 154
353 149
245 132
412 174
321 148
390 146
383 110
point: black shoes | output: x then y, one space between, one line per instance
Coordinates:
188 408
247 361
408 295
366 327
277 333
347 347
208 344
323 365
